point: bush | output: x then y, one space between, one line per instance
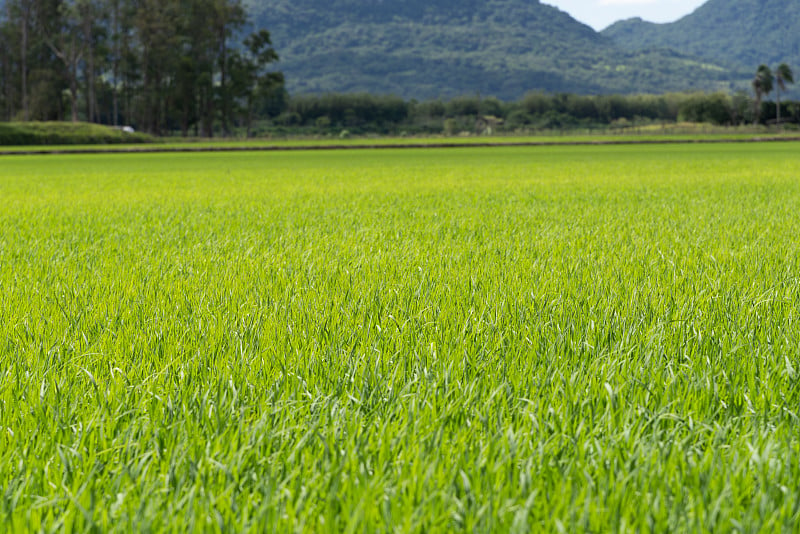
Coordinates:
713 108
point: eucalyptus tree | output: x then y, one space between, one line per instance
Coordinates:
17 31
119 31
60 22
251 78
229 17
6 63
762 85
159 56
93 19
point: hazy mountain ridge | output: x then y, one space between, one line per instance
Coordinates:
737 33
430 48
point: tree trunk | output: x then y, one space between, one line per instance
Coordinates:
757 110
70 56
224 87
115 98
89 68
73 91
115 63
26 12
208 114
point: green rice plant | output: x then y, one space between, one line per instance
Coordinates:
557 339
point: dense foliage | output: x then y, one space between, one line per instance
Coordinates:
365 113
160 64
204 67
437 48
343 115
738 33
569 339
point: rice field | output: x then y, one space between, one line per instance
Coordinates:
516 339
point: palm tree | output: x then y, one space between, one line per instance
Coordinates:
762 85
783 75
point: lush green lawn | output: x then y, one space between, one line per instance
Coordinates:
507 339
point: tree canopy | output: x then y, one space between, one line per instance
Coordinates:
158 64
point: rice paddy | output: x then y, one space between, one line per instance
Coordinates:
515 339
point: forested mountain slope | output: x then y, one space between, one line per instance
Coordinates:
740 33
432 48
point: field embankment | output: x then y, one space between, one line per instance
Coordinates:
366 143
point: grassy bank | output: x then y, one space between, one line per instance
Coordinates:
65 133
331 142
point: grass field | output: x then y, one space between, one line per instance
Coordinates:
559 339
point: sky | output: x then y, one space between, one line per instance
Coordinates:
601 13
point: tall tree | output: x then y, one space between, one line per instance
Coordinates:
156 21
126 60
115 55
61 27
196 74
762 85
229 16
251 79
91 15
6 63
783 75
26 8
20 21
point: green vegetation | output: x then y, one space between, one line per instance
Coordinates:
783 75
682 133
356 114
739 34
435 48
342 116
61 133
158 65
173 66
504 339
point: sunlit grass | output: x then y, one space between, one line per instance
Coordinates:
507 339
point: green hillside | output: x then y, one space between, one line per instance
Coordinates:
428 49
740 33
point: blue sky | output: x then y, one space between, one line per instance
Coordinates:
600 13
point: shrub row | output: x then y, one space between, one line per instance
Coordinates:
65 133
363 113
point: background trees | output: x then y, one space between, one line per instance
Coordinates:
762 85
783 75
194 67
764 81
335 114
159 65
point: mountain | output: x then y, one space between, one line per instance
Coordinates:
440 48
737 33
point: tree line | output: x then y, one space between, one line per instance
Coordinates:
163 65
366 113
192 67
766 80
